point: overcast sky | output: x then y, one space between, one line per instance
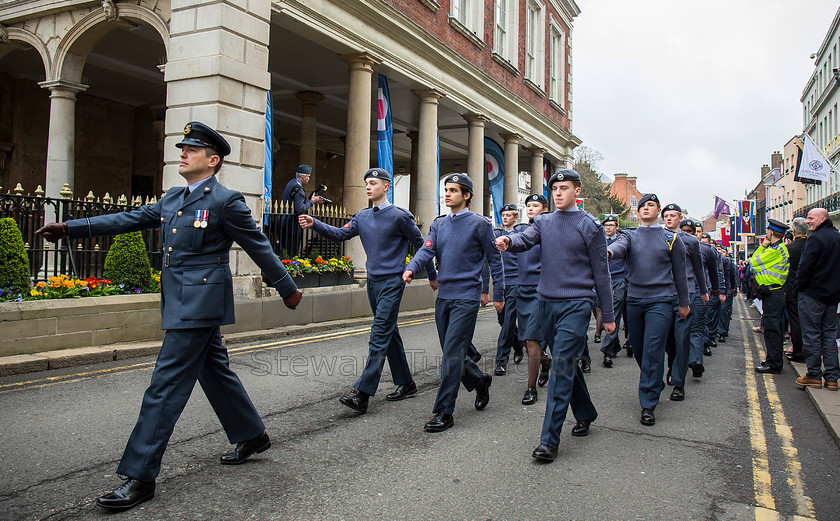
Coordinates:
692 97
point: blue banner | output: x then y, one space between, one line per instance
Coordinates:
268 156
546 175
494 157
733 234
437 168
385 133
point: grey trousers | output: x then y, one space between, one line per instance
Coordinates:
819 338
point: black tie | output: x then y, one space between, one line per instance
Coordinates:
187 192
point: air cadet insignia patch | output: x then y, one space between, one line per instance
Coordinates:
187 129
455 178
428 244
346 225
560 176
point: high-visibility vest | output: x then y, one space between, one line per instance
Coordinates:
770 264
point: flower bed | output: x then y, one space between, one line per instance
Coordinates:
317 272
63 286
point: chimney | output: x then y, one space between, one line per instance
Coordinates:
776 160
764 170
631 181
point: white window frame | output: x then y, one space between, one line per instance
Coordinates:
534 66
557 64
508 48
470 14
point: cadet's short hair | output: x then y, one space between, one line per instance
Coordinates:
213 152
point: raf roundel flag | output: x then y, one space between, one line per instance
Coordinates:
385 133
494 159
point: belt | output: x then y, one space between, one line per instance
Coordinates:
772 286
171 261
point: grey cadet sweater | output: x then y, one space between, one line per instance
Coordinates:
655 263
694 266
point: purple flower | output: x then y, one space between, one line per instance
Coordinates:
1 291
19 298
138 290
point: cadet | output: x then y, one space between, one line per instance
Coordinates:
725 316
610 345
528 306
295 195
573 259
656 278
461 242
710 274
385 231
678 346
713 307
198 224
770 264
507 318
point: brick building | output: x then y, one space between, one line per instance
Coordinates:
624 188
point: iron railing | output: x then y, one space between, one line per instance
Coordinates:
830 203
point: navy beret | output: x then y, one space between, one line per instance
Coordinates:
688 222
698 223
304 170
777 226
610 219
647 197
198 134
378 173
671 207
537 198
460 179
706 236
563 175
509 208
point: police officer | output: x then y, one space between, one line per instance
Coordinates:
573 254
385 231
507 318
198 224
295 195
461 242
656 284
770 263
610 345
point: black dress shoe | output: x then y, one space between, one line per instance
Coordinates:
677 395
500 370
530 397
712 343
707 350
766 369
545 372
482 392
244 449
795 358
439 422
581 428
647 417
697 369
476 357
545 453
356 400
629 348
597 339
402 391
517 357
722 339
585 366
128 495
607 361
668 377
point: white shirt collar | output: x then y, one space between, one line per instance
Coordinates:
195 185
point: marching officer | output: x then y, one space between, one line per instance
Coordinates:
713 307
507 318
385 231
198 224
698 329
610 345
770 264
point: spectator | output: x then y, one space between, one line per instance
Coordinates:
800 230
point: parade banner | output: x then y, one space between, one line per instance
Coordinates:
546 168
733 230
813 164
385 133
494 158
745 224
721 207
579 202
267 168
437 170
724 236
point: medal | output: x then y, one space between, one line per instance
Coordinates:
204 224
197 223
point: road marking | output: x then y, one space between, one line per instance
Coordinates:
761 465
112 371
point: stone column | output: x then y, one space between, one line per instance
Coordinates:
427 172
537 155
357 145
62 135
412 184
308 128
476 164
217 73
511 189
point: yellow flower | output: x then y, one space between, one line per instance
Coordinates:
82 283
41 285
35 293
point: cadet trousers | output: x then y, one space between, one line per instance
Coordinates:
455 320
771 318
610 344
711 320
385 341
725 315
649 320
566 323
679 344
698 330
508 335
819 338
187 355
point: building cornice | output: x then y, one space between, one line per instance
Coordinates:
566 9
817 62
19 10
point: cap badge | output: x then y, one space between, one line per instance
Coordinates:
560 177
187 129
454 177
428 244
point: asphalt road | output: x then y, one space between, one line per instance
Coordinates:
741 446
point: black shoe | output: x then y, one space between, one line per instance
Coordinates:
517 357
712 343
439 422
607 361
244 449
697 369
545 372
629 348
545 453
356 400
476 357
647 417
585 366
677 395
707 350
766 369
581 428
482 392
795 358
668 377
500 370
597 339
402 391
722 339
128 495
530 397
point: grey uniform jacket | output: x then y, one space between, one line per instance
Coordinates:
196 283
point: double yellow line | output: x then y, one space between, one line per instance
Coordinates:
762 482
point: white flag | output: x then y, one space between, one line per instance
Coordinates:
814 165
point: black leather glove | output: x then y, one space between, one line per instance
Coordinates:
53 232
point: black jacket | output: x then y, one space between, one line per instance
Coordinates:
819 267
794 254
